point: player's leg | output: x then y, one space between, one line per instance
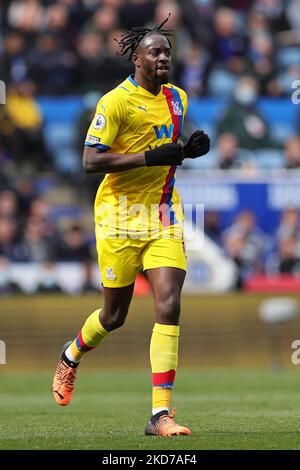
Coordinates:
101 322
166 282
119 263
95 329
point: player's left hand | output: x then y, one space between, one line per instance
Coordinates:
197 145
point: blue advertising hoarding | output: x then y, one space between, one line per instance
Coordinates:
266 195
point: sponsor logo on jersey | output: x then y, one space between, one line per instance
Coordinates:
99 122
110 274
92 140
163 130
176 108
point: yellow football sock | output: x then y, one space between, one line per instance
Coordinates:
164 360
91 334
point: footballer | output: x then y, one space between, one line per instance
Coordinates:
134 139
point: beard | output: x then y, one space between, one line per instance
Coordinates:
160 79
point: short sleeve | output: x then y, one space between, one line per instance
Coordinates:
106 122
184 99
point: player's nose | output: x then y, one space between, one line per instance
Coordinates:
163 57
163 61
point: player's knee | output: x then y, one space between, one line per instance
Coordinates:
114 321
168 309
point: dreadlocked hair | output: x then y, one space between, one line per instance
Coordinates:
130 40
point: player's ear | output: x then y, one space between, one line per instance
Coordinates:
136 59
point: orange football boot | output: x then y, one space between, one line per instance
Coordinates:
64 380
166 426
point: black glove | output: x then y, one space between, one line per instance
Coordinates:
197 145
166 154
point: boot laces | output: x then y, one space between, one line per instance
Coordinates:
66 374
166 419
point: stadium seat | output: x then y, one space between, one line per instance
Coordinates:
269 158
60 138
287 56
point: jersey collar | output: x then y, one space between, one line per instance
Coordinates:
143 90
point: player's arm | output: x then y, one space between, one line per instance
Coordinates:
105 127
95 161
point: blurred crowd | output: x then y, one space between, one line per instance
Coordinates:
31 232
67 46
255 252
239 50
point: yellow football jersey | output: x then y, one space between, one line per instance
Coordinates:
128 120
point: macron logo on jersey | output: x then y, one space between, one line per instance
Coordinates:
164 130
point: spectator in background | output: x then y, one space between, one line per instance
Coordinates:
7 130
52 66
212 226
199 19
262 56
288 75
227 152
289 226
274 11
237 5
257 24
8 234
292 152
230 41
234 246
73 246
114 65
27 16
7 285
34 246
292 12
25 186
192 70
243 120
14 61
181 40
104 20
41 210
57 23
286 260
9 204
89 285
141 10
28 142
48 279
91 56
246 244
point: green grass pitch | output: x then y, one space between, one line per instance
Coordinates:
225 409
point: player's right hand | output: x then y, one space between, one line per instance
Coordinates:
165 155
197 145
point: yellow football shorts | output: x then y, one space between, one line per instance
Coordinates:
120 260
